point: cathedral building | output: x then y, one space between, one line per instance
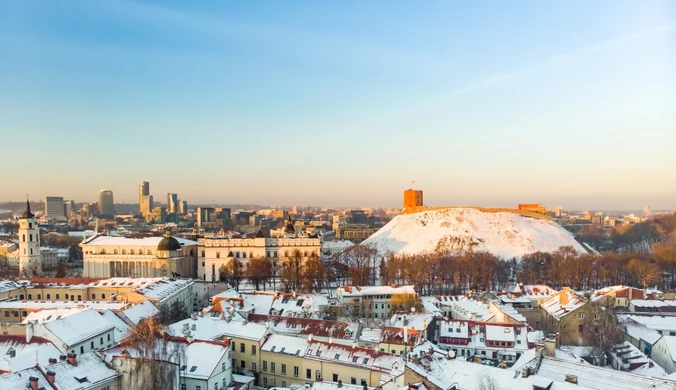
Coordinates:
112 256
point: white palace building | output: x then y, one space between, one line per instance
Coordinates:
216 251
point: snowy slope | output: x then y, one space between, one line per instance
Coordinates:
461 229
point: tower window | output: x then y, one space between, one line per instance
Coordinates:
31 251
23 237
30 225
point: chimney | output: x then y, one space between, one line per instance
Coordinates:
340 383
33 383
51 377
550 347
194 327
186 326
52 361
11 352
72 359
190 339
193 317
309 338
62 358
563 298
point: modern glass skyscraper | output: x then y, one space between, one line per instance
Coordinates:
106 202
172 203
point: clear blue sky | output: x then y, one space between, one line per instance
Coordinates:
341 102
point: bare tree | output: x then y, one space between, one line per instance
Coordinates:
155 352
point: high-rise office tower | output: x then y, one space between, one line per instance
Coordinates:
182 207
106 202
68 206
172 203
54 207
145 202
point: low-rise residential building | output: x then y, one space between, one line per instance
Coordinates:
567 314
664 353
616 296
494 341
194 364
81 332
245 337
87 371
372 301
639 335
282 361
18 354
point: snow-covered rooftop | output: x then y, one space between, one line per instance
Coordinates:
305 326
414 321
39 351
304 305
289 345
457 329
630 358
79 327
367 291
562 303
533 291
47 315
652 303
640 331
354 356
129 241
600 378
121 327
500 333
20 380
90 372
371 335
140 311
209 328
7 285
657 322
41 305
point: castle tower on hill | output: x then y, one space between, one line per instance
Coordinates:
30 259
413 199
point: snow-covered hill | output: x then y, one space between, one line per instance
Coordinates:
461 229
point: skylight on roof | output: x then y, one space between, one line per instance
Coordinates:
366 360
193 368
337 356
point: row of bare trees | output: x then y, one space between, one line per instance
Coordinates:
565 267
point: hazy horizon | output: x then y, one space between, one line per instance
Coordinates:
342 103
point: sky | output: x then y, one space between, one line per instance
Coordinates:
341 103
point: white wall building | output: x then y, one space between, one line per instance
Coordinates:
217 251
82 332
111 256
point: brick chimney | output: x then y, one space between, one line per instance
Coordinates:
51 376
33 383
563 298
72 359
52 361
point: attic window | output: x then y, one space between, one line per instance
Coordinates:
354 359
80 379
193 368
282 350
366 360
298 352
273 348
318 353
337 356
183 368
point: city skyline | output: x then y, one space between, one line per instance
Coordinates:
481 104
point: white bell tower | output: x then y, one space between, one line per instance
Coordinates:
30 259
